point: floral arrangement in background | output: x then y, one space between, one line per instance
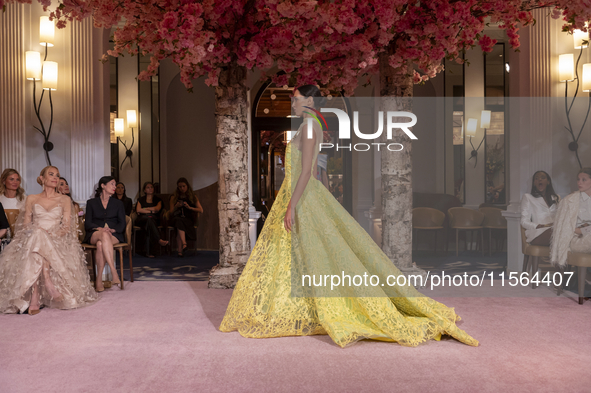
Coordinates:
330 43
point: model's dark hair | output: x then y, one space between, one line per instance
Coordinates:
103 180
550 196
145 185
314 92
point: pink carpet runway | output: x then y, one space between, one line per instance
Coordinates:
163 337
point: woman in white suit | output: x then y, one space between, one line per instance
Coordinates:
538 210
572 230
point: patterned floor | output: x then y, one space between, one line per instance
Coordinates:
195 267
471 262
192 267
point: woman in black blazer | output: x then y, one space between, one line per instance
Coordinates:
105 224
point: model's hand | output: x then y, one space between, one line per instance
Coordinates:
288 219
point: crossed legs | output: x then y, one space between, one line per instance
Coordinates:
104 253
181 242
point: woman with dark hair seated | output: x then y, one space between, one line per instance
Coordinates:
538 210
105 224
122 196
147 209
184 207
64 188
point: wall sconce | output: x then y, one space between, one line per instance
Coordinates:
46 72
568 71
46 31
471 126
119 130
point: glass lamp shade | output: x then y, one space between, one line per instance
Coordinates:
471 127
586 85
33 65
566 67
119 126
46 31
485 119
131 118
49 75
579 37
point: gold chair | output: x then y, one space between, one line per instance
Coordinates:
493 220
427 219
90 259
582 261
11 216
120 247
464 219
532 256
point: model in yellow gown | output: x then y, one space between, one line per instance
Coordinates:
327 240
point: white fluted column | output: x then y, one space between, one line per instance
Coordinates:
530 136
89 137
12 80
81 78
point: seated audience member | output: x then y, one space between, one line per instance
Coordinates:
184 207
148 208
12 195
105 224
572 230
538 210
127 202
44 264
64 188
3 222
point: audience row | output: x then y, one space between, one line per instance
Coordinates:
182 215
563 225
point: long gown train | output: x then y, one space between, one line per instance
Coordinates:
327 240
45 244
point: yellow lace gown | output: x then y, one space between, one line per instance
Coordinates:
327 240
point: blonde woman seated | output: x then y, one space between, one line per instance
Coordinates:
572 230
538 210
12 195
44 263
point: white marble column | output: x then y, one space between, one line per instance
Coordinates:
90 126
12 79
530 129
89 135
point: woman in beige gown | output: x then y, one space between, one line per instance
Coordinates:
44 264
